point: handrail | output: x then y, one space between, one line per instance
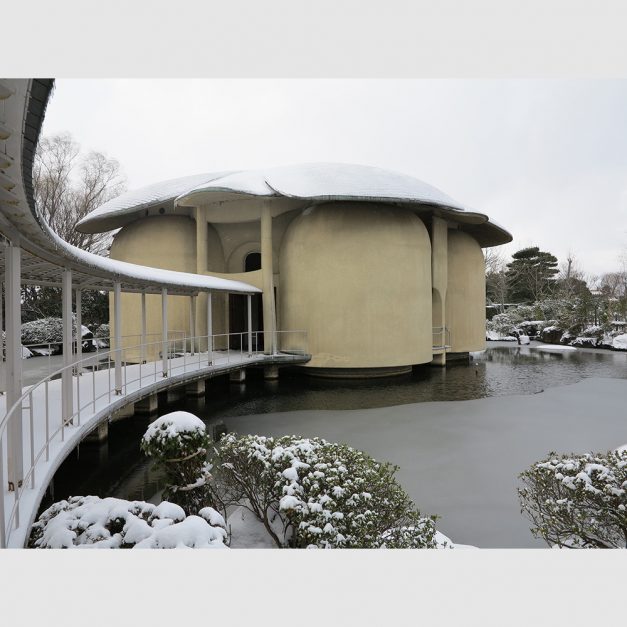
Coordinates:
444 334
177 359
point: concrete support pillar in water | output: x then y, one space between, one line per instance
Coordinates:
237 376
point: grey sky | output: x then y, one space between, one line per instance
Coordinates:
546 159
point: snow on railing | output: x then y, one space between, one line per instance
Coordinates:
41 406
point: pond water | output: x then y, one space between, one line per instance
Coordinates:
390 424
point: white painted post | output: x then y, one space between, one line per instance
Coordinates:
143 338
250 324
209 330
164 331
192 322
79 330
117 323
67 394
15 447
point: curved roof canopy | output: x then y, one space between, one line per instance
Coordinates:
229 196
45 255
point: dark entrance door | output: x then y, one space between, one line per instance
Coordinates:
238 312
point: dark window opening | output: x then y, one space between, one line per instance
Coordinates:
252 262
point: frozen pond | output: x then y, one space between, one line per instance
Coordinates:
459 458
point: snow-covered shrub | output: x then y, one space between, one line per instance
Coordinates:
501 327
179 443
42 331
592 331
110 523
102 331
578 501
312 493
49 331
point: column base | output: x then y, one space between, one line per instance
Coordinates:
270 373
195 389
147 406
126 412
237 376
99 434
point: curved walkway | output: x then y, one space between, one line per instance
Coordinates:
48 439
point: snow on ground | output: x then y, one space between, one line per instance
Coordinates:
444 542
555 347
620 342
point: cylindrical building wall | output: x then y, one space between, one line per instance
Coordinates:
357 278
167 242
465 293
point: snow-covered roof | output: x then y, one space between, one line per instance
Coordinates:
327 181
302 184
127 206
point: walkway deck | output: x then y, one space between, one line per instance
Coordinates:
94 395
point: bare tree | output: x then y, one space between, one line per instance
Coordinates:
69 185
496 280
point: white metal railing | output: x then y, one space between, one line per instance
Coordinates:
99 346
441 338
41 406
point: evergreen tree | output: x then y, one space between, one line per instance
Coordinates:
531 275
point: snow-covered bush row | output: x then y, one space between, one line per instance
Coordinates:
312 493
179 443
558 330
578 501
110 523
48 330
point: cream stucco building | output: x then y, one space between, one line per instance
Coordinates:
381 270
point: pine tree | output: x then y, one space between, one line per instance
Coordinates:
531 274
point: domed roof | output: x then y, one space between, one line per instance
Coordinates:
128 206
295 186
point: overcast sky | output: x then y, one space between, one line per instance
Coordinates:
546 159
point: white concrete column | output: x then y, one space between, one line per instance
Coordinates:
439 282
15 448
201 268
117 323
144 339
249 300
67 395
164 331
209 329
192 323
267 273
79 326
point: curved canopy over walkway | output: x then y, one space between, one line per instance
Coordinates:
41 424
